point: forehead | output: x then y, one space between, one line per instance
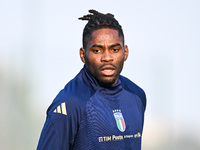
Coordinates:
105 35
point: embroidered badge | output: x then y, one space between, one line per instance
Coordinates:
119 120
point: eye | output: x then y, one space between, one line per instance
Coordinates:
115 50
96 51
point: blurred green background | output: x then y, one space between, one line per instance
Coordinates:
39 54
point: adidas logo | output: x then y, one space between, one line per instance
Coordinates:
61 109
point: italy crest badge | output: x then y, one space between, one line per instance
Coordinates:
119 120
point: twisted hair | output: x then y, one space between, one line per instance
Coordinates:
97 21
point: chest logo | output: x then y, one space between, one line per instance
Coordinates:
119 120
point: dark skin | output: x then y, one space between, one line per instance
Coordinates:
104 55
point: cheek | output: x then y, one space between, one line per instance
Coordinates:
92 63
120 59
93 59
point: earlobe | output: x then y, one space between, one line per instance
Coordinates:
82 54
125 52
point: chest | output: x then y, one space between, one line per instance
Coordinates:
115 117
111 122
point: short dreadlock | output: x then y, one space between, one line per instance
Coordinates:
98 20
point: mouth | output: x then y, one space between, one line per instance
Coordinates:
107 70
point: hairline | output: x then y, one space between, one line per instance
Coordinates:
88 36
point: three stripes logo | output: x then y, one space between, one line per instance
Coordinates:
61 109
119 120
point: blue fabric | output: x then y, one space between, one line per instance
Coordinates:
90 123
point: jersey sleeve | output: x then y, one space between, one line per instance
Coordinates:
130 86
48 138
60 127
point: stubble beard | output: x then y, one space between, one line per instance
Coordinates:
107 82
103 80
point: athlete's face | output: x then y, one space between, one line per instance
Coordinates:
105 55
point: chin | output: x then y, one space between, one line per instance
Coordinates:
107 82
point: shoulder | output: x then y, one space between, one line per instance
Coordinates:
74 95
133 88
65 111
70 97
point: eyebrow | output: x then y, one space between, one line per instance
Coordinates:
100 46
116 44
95 45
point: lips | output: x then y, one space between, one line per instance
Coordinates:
107 70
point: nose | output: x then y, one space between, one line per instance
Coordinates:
106 56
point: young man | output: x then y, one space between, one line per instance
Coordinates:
99 108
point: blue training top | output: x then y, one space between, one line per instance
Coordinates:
87 116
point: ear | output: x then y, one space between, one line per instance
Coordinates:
82 54
126 51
